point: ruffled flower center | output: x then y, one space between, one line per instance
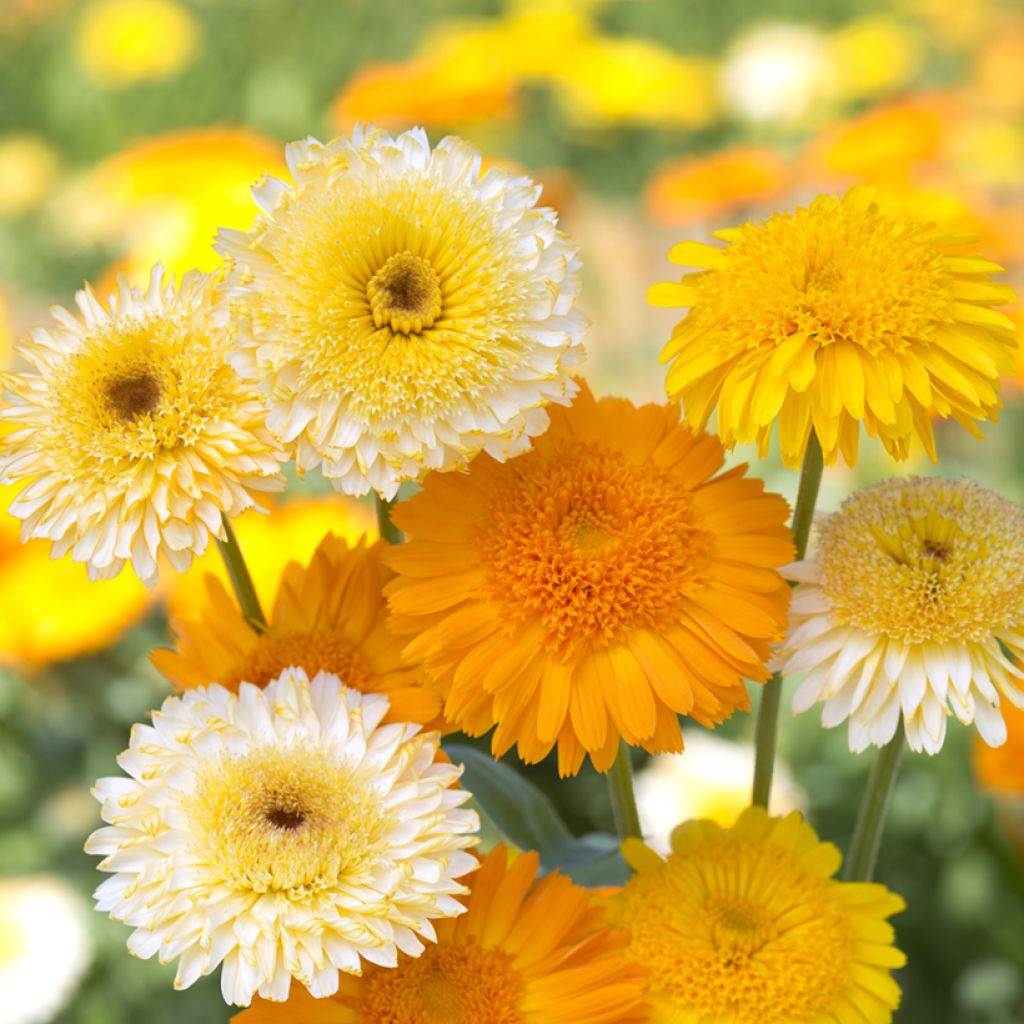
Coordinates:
450 983
591 545
136 393
405 294
289 821
923 560
316 652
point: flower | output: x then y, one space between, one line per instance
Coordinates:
44 947
748 925
135 434
594 588
50 610
915 588
282 831
703 186
1001 769
834 315
710 779
527 951
29 168
407 312
121 42
328 616
270 538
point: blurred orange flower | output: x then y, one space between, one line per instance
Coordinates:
708 186
1002 768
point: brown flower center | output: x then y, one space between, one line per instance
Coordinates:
134 395
405 294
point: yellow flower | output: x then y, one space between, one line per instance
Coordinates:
527 951
873 54
748 926
597 587
406 311
283 832
833 316
134 434
121 42
50 610
163 198
328 616
915 589
28 170
290 531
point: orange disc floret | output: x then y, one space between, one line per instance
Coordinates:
595 588
328 616
526 951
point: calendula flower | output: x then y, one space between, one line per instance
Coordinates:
748 925
134 432
906 607
45 947
283 832
1001 769
597 587
328 616
406 311
527 951
832 316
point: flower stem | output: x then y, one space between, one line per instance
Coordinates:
387 529
241 581
623 799
867 835
766 733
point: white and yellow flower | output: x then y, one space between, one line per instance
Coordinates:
134 433
908 607
282 832
403 310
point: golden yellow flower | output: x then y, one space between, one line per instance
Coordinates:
328 616
403 310
914 590
748 926
283 833
596 587
527 951
270 537
832 316
134 434
50 610
120 42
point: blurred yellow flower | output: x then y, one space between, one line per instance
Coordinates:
28 170
873 55
163 199
291 532
997 71
456 89
707 186
120 42
49 609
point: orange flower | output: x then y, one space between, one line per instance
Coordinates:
526 951
1002 768
596 587
328 616
705 186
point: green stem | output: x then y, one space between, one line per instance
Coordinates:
387 529
867 835
766 731
620 789
241 581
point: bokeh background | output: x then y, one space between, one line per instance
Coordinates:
131 129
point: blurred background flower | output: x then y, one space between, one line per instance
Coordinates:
131 129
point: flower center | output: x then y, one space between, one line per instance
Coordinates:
925 560
291 822
738 927
312 652
591 545
405 294
133 395
450 983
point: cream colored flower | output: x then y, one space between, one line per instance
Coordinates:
283 832
403 310
908 607
134 432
